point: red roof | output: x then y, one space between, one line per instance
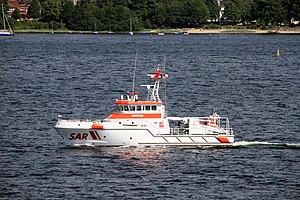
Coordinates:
22 5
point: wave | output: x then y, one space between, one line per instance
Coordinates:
265 144
239 144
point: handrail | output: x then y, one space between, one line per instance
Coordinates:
186 131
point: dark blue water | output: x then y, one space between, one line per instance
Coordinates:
80 76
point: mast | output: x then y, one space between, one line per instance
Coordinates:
165 91
153 90
133 80
130 25
4 27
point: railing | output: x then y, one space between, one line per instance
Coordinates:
79 120
200 131
201 126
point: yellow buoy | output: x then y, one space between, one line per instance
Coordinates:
277 53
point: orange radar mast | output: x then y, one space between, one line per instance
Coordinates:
157 75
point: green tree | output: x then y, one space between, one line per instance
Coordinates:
174 14
158 15
214 9
238 11
234 11
142 8
271 12
51 10
68 13
4 2
34 10
279 13
293 10
122 17
296 10
16 14
196 12
85 12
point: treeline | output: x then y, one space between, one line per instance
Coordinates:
115 15
264 12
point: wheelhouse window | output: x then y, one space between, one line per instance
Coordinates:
126 108
153 107
138 108
132 108
120 108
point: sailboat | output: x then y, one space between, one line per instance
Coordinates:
95 28
5 31
130 31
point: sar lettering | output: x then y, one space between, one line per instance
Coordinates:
78 136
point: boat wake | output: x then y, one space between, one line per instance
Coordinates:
240 144
265 144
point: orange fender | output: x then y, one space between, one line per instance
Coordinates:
97 126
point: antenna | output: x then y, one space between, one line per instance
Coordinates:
165 98
165 92
133 80
215 110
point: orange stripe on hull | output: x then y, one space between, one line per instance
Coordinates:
223 139
133 116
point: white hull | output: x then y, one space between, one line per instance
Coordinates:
135 136
6 33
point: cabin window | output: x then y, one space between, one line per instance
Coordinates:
120 108
147 107
138 108
132 108
153 107
126 108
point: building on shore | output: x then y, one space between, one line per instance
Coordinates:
22 5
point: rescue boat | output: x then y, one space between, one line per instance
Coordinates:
145 123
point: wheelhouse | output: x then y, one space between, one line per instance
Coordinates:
139 106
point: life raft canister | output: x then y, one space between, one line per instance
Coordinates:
212 124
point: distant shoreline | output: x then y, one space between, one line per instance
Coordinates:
242 31
285 31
